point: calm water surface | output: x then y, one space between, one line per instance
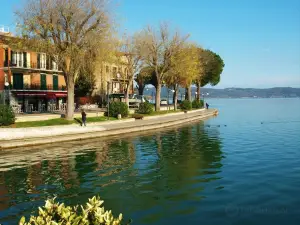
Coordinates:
242 167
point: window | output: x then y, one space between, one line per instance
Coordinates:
41 58
55 82
43 82
17 59
115 70
54 63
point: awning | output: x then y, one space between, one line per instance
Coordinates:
31 94
61 95
50 95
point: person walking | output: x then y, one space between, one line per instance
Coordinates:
207 105
83 118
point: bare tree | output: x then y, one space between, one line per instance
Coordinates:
130 47
72 30
157 49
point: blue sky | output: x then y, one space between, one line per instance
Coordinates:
259 40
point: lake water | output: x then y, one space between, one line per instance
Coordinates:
242 167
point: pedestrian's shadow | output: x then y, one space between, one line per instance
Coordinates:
78 121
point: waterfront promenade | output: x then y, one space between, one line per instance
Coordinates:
18 137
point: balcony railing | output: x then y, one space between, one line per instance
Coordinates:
39 87
24 64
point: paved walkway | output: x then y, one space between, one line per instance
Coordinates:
16 137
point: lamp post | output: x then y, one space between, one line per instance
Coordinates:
147 93
6 88
169 97
108 86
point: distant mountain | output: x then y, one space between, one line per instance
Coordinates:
276 92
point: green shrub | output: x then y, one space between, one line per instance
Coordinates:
7 115
186 105
90 214
146 108
116 108
197 104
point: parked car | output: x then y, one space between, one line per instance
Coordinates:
164 102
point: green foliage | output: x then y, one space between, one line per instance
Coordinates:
213 67
145 77
84 84
146 108
7 115
197 104
116 108
58 214
2 97
186 105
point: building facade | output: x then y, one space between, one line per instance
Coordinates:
112 77
30 81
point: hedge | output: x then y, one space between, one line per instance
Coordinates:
7 115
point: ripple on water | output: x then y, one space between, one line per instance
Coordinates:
202 173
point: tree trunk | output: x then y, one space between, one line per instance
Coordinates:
141 89
127 91
188 94
70 101
198 90
157 97
127 96
175 97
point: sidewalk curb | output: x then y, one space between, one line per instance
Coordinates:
108 132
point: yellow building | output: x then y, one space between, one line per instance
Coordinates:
112 77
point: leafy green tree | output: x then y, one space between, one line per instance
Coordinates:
84 84
143 78
212 66
183 70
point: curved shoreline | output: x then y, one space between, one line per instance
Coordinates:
108 129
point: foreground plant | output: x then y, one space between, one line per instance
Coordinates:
58 214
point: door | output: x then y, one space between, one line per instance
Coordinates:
43 82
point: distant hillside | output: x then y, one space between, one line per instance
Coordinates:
277 92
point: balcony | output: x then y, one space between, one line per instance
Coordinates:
33 66
38 87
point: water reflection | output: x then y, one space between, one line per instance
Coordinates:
149 178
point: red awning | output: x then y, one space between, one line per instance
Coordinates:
61 95
51 96
31 94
